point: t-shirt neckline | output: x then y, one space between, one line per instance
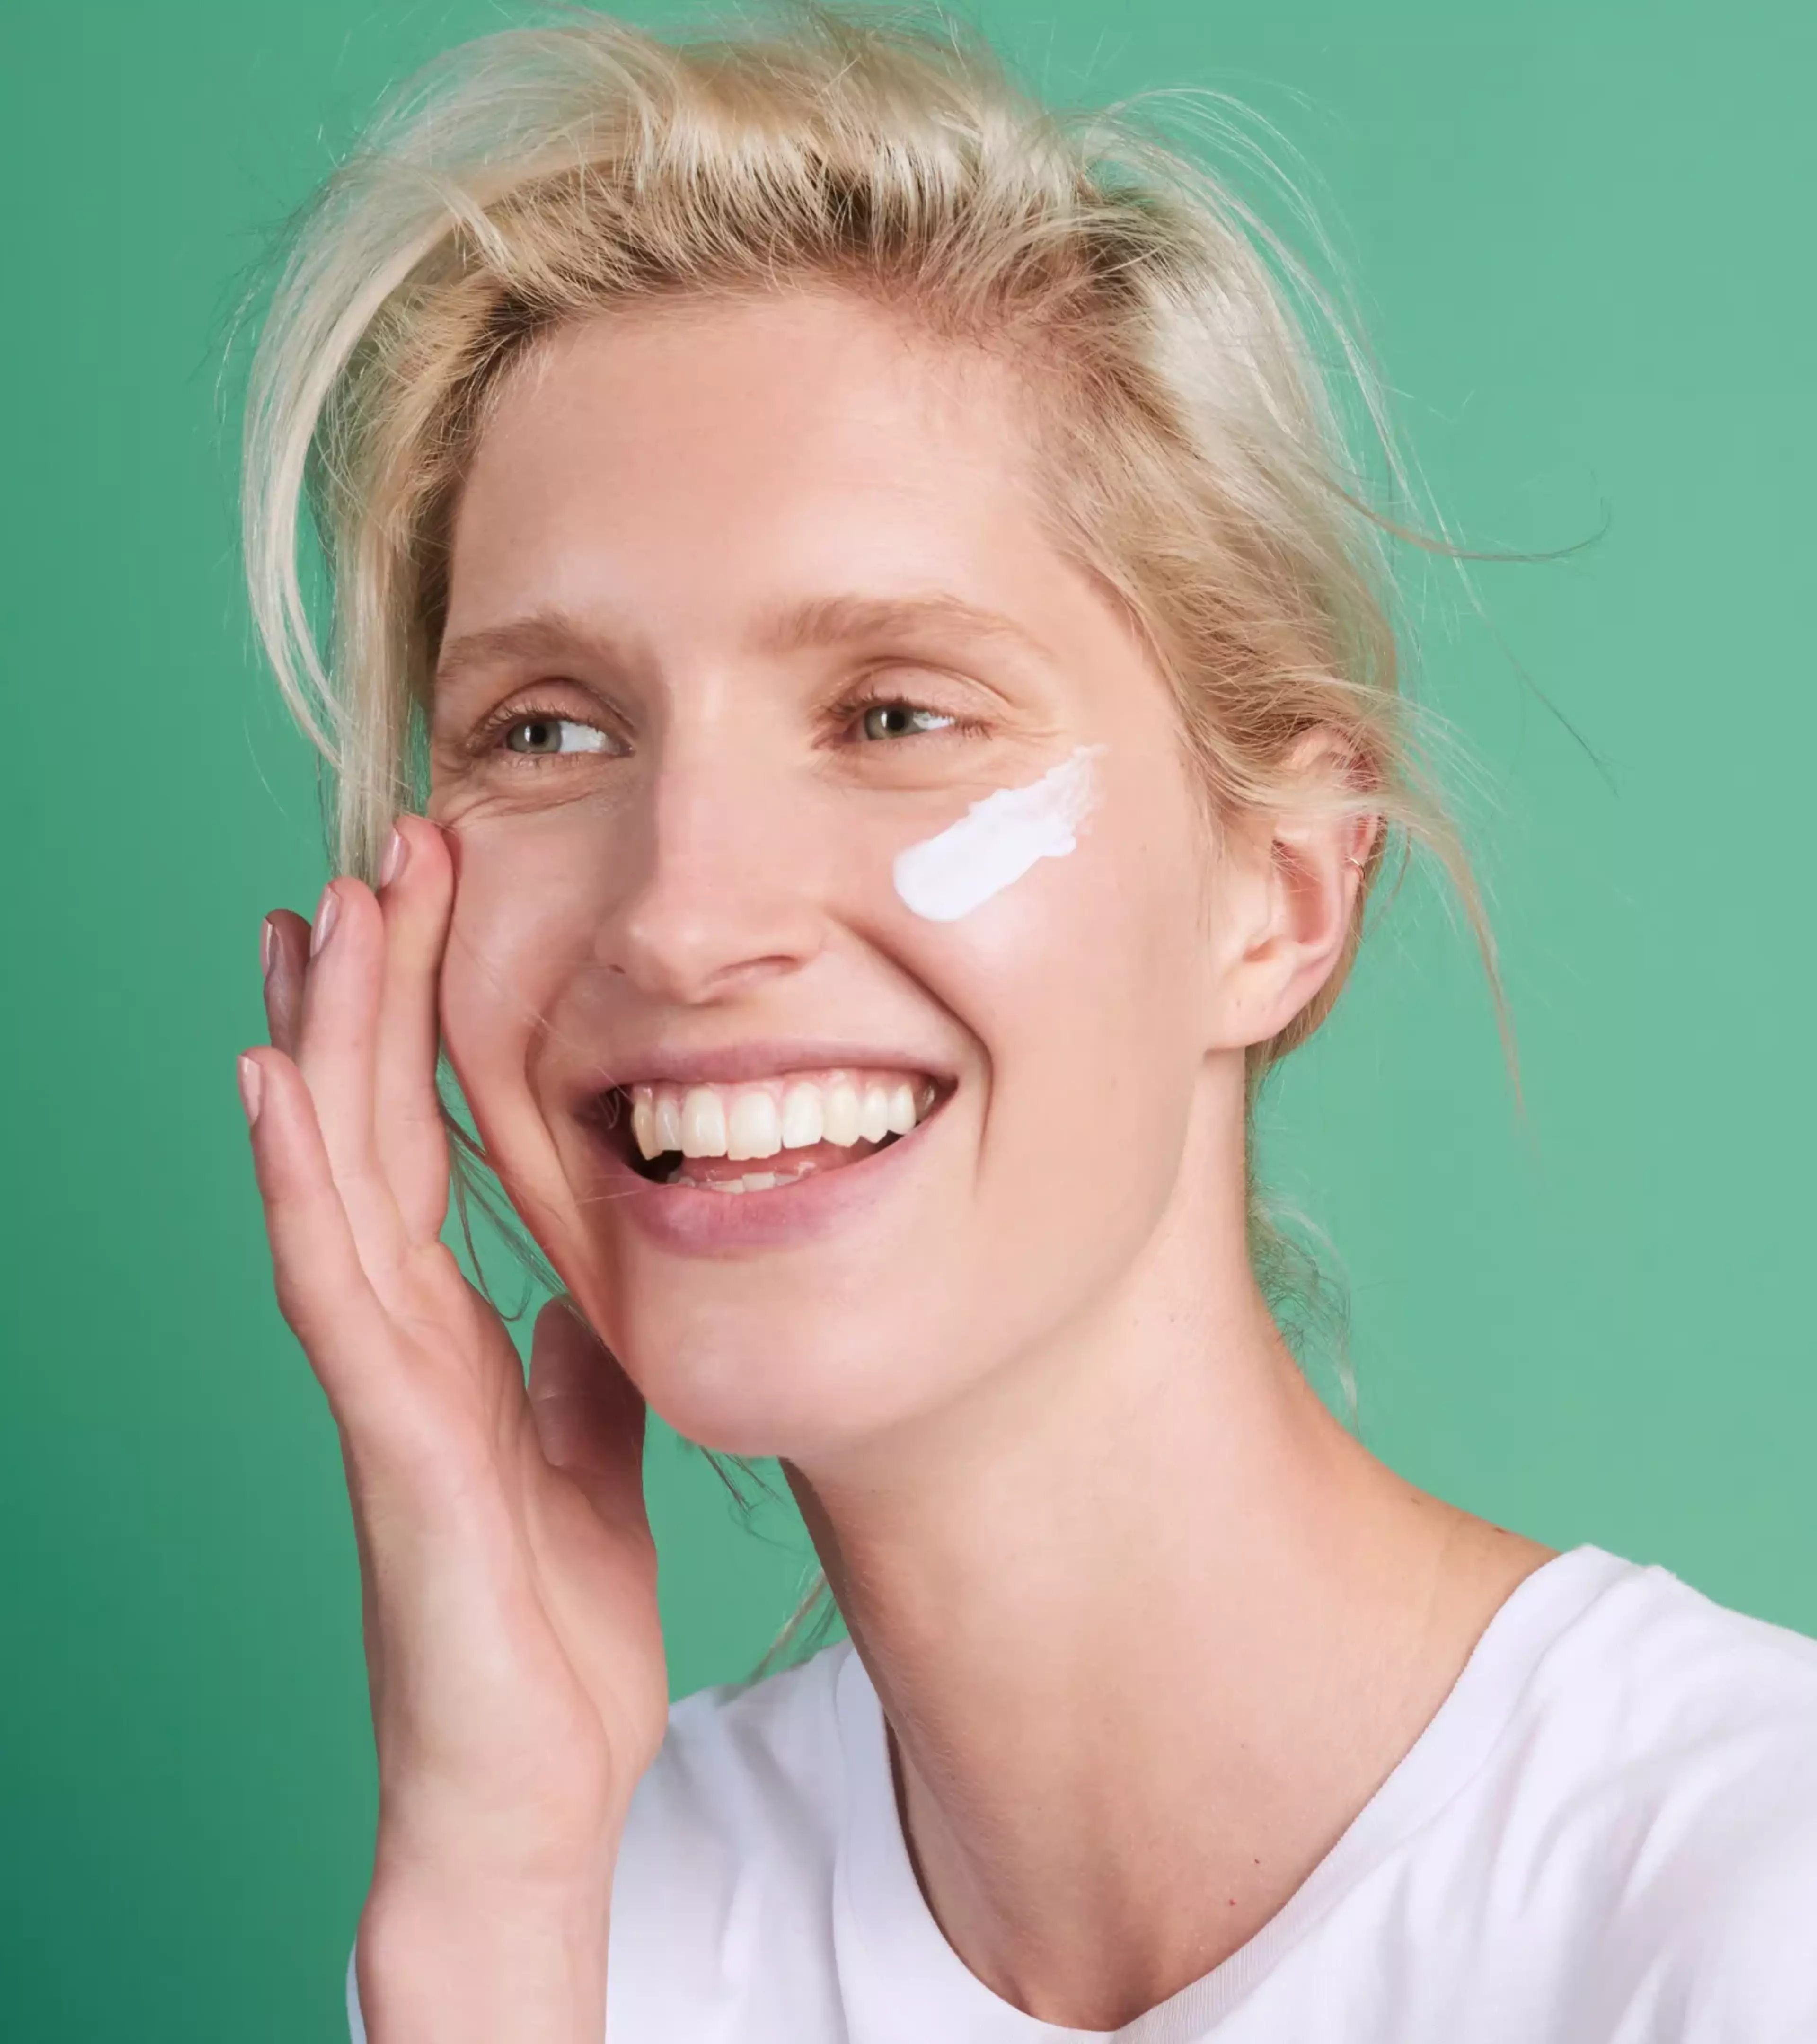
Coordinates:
917 1975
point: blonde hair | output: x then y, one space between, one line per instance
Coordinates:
1200 462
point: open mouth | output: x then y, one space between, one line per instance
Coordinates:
760 1134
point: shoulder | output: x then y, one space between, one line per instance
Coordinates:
726 1868
1653 1671
1673 1742
741 1761
722 1909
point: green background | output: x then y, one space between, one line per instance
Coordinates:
1582 235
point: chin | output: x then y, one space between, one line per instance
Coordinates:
798 1384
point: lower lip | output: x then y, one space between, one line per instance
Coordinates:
694 1223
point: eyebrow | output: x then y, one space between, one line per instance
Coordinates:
820 623
541 635
838 621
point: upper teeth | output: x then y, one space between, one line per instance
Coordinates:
765 1115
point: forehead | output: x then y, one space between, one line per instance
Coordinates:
807 444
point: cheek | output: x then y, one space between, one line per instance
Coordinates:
526 917
1084 983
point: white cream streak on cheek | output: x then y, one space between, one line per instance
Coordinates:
996 840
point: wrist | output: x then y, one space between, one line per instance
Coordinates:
443 1960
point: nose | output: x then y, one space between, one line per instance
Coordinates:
718 885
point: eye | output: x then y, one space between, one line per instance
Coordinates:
548 734
901 719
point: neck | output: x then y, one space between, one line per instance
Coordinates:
1149 1627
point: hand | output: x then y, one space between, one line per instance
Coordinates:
513 1646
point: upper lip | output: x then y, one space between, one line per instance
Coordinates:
730 1062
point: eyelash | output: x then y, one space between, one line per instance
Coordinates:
848 712
489 736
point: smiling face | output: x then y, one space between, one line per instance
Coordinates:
745 600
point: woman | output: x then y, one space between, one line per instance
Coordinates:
863 585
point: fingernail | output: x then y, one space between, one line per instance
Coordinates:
326 910
396 852
267 947
251 1085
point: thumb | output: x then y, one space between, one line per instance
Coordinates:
589 1414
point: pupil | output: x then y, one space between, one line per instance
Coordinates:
539 736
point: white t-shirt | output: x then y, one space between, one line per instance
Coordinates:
1606 1835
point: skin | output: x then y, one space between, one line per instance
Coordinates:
1148 1626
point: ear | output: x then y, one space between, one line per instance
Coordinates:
1290 883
